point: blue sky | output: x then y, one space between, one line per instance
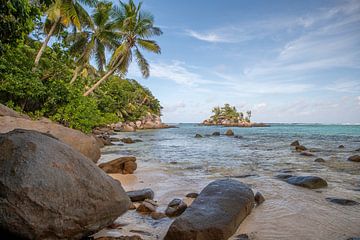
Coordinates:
287 61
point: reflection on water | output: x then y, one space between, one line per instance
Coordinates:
172 162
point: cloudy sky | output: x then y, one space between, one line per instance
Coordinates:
287 61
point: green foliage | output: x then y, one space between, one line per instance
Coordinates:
228 112
16 20
46 91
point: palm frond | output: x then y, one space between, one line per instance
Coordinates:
149 45
142 63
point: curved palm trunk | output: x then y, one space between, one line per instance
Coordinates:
106 76
51 32
76 73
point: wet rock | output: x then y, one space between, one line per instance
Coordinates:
118 165
138 140
319 160
140 195
239 137
86 144
127 140
175 208
353 238
225 202
341 146
216 134
242 237
283 176
132 206
357 150
300 148
192 195
157 215
198 135
133 237
355 158
259 198
342 201
48 189
307 154
229 132
295 143
128 128
103 140
311 182
245 176
146 207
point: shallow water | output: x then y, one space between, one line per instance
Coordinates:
172 162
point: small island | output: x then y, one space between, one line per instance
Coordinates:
228 116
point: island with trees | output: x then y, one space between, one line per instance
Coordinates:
229 116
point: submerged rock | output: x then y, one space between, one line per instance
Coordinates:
295 143
192 195
229 132
215 214
175 208
311 182
355 158
319 160
140 195
198 136
127 140
242 237
341 146
342 201
283 176
307 154
259 198
124 165
216 134
300 148
51 191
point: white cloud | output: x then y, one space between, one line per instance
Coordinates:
208 37
346 86
174 107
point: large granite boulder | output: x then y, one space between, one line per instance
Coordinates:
215 214
125 165
48 190
5 111
83 143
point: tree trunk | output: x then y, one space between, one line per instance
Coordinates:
106 76
76 73
52 29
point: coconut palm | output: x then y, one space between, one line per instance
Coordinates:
136 27
93 41
64 12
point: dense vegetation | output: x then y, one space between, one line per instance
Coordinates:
61 83
230 113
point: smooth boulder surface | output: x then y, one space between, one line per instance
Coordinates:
215 214
48 190
355 158
342 201
175 208
229 132
120 165
5 111
311 182
295 143
83 143
140 195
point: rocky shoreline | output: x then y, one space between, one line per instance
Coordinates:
239 124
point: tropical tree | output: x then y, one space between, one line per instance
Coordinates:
62 13
136 27
94 41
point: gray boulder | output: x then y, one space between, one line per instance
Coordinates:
311 182
48 190
215 214
140 195
355 158
175 208
229 132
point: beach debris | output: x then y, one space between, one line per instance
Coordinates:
295 143
141 195
355 158
175 208
229 132
192 195
342 201
228 201
259 198
125 165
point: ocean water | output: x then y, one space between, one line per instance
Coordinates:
182 163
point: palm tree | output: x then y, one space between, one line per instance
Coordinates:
95 40
64 12
136 27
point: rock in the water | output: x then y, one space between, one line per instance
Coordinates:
283 176
341 146
51 191
133 237
319 160
355 158
215 214
307 154
242 237
118 165
146 207
198 135
229 132
192 195
175 208
140 195
357 150
342 201
300 148
127 140
157 215
259 198
295 143
216 134
353 238
238 137
311 182
81 142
